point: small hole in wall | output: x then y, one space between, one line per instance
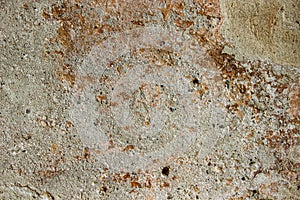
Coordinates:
195 81
172 109
165 171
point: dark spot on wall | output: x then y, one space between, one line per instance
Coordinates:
195 81
165 171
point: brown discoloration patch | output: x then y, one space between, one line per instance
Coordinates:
165 184
209 7
101 98
166 11
135 184
66 74
183 23
129 148
65 36
178 8
69 124
90 25
294 96
45 15
244 84
85 24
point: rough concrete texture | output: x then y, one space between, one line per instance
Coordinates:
140 99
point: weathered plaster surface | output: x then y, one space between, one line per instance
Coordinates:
264 30
149 99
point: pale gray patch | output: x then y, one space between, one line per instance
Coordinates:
138 98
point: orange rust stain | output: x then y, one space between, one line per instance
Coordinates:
166 11
119 69
178 8
59 53
69 124
66 74
81 27
165 184
209 7
25 6
240 114
294 96
202 89
111 144
135 184
45 15
147 123
53 148
126 176
101 98
86 153
250 135
128 148
65 36
183 23
58 11
138 22
90 25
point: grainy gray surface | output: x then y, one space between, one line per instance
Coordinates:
139 100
